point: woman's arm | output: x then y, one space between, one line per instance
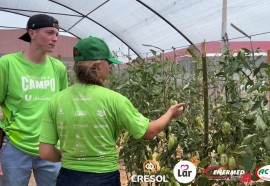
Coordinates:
156 126
49 152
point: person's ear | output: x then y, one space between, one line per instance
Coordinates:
32 34
99 66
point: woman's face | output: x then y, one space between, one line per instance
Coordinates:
105 69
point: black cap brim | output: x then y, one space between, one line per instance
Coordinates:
25 37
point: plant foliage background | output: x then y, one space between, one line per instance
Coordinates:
239 117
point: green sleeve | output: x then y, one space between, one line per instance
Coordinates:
48 132
61 73
64 79
131 119
3 80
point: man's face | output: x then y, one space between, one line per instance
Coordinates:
44 38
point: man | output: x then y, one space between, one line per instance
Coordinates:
27 81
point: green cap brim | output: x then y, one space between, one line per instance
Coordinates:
114 61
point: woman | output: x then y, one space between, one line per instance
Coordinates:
87 118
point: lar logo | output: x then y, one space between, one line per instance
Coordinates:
150 166
184 171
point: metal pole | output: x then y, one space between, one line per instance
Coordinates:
162 54
248 36
224 26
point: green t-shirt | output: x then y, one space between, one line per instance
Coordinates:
25 89
87 119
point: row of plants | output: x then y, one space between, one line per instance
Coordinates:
238 116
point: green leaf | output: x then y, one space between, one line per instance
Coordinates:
248 162
267 71
240 149
262 65
232 68
249 82
204 162
246 64
254 166
264 89
250 116
237 105
153 52
192 50
186 86
256 105
121 86
254 87
247 51
256 70
260 123
249 139
220 74
202 181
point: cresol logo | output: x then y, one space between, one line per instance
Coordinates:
150 168
263 172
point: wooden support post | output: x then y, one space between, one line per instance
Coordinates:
205 99
268 61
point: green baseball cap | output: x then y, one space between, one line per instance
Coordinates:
93 48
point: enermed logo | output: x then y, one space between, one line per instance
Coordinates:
219 172
184 171
150 168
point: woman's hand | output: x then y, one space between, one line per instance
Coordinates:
177 110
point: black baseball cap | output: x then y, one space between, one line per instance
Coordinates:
39 21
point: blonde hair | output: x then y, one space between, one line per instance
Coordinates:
87 72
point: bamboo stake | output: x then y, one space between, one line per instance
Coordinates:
205 95
268 61
175 71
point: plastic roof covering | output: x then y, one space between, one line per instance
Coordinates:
157 24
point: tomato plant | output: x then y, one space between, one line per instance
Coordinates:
239 119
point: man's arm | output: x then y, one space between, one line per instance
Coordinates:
49 152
